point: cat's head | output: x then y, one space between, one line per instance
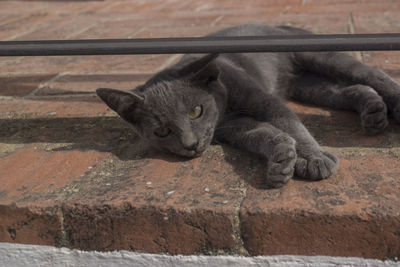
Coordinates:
177 110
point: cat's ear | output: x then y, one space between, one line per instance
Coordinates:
203 70
119 100
208 74
197 65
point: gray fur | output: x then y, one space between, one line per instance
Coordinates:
242 99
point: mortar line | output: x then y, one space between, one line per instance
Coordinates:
166 63
136 32
64 240
61 96
37 28
217 20
82 30
351 29
237 230
41 85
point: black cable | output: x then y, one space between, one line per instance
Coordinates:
276 43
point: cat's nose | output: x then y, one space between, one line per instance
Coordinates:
189 142
191 146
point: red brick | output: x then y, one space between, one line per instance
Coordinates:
147 229
386 22
29 226
84 83
120 9
58 28
83 64
335 23
31 171
353 213
20 85
389 61
16 28
102 198
165 32
62 107
159 203
125 28
335 7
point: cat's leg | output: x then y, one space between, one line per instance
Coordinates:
266 140
313 162
321 91
249 98
342 66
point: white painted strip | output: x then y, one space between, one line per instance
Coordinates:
16 255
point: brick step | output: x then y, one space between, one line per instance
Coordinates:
72 174
90 183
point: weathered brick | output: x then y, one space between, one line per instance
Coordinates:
354 213
29 225
88 83
66 27
159 203
112 192
180 31
118 29
83 64
335 7
14 29
21 85
11 108
31 171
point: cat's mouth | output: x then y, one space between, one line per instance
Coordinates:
191 153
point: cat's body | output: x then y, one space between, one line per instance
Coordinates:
237 99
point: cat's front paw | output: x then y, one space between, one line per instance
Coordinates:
281 162
396 113
374 117
316 166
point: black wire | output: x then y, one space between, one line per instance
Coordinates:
276 43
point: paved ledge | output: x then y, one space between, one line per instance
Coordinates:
90 183
22 255
74 175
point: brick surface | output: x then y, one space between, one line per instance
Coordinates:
65 107
354 213
21 85
87 64
158 205
73 174
42 171
88 83
29 226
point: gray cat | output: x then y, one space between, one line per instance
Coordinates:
238 99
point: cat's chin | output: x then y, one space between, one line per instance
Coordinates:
190 154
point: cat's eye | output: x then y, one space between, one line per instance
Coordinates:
196 112
162 132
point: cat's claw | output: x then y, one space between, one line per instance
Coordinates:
374 117
316 167
282 161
